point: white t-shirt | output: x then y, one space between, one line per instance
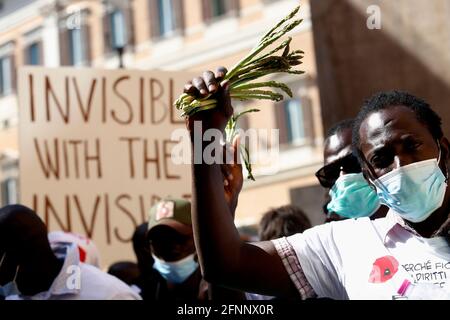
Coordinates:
80 281
87 249
364 259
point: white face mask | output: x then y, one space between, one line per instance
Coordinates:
413 191
9 289
177 271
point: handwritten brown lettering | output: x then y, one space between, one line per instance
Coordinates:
154 160
48 165
85 111
156 93
49 91
124 100
127 213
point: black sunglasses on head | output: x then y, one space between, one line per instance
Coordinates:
327 175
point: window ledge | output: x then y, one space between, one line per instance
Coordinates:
162 45
221 26
177 33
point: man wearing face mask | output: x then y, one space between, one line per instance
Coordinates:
30 270
404 255
350 196
172 246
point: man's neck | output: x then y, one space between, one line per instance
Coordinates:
436 224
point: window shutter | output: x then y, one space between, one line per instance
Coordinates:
232 7
107 33
86 43
64 50
206 10
26 55
154 18
41 52
280 118
178 9
129 22
13 72
308 122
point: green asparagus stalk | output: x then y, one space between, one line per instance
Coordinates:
244 77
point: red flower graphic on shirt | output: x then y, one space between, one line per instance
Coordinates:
82 253
383 269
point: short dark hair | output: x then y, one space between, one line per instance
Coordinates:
387 99
283 222
340 126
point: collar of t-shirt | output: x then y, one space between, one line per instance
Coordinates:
392 220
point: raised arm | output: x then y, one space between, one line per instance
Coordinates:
224 258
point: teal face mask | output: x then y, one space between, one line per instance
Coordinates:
352 197
9 289
413 191
178 271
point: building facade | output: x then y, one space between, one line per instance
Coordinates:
191 35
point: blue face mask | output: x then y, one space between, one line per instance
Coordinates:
352 197
9 289
413 191
178 271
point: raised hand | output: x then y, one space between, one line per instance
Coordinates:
210 84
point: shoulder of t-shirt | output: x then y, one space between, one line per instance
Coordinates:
336 226
105 284
337 229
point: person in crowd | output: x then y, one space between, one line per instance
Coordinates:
141 249
30 270
171 242
403 153
149 281
284 221
128 272
86 247
280 222
172 247
349 195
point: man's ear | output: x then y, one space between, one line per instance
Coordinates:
445 148
445 154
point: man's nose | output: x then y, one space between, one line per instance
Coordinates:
401 161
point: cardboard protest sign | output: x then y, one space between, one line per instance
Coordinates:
95 150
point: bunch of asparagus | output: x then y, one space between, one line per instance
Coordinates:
257 64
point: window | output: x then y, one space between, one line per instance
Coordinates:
6 76
74 39
213 9
33 54
118 29
76 47
167 17
217 8
9 191
294 121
